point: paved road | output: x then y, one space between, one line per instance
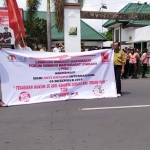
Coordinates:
65 126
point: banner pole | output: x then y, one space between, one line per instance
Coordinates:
17 21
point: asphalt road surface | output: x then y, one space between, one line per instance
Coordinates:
96 124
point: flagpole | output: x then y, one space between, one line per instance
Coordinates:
17 21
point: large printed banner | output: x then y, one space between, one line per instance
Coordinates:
34 77
4 24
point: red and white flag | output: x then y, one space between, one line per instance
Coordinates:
15 19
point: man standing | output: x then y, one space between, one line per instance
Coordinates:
119 62
144 59
133 57
58 48
7 36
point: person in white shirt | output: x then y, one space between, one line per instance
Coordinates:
58 48
20 42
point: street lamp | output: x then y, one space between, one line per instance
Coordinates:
104 6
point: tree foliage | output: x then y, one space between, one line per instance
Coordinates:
59 14
32 7
32 24
108 34
39 32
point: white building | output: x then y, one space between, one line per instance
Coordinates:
133 33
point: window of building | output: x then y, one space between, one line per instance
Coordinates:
117 35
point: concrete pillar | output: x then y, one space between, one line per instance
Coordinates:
72 27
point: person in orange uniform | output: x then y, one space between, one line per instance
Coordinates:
144 59
119 63
133 63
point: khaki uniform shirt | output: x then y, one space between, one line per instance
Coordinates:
119 57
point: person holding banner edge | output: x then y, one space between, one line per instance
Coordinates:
1 102
20 42
119 63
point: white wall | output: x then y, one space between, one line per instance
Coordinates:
117 28
126 33
72 19
97 44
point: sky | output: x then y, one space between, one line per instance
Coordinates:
90 5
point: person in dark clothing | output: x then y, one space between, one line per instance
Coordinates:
119 62
126 68
7 36
133 63
144 59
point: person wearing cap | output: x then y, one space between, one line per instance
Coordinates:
7 36
119 63
58 48
20 42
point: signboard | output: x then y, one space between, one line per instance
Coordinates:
6 35
114 15
35 77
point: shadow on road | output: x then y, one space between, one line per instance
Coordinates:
126 93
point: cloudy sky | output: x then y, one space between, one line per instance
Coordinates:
93 5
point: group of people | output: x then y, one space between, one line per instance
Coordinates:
59 48
134 60
127 62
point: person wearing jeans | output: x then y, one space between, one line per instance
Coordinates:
119 62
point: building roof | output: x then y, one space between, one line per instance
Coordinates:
87 32
135 8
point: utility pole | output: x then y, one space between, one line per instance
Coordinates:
48 26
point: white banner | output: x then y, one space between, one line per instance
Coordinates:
34 77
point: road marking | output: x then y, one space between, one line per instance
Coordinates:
117 107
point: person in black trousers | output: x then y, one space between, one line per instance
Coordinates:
144 59
119 62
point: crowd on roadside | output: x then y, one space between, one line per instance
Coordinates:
135 60
127 62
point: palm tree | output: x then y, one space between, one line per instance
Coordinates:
32 7
48 25
59 13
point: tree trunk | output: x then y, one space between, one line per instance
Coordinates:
48 26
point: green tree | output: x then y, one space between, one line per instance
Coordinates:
38 34
32 8
108 34
30 20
